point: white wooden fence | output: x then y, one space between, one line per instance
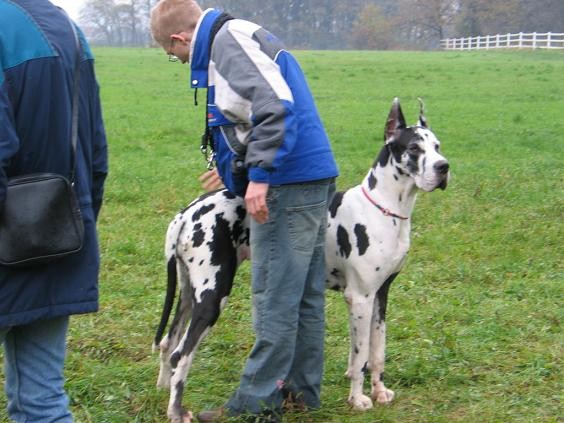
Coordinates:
548 40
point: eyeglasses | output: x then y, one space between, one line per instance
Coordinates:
172 57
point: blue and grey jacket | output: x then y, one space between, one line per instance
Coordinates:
260 107
37 61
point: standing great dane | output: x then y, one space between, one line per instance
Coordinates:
367 242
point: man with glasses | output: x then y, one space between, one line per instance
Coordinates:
271 148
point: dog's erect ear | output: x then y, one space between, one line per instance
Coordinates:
395 120
422 119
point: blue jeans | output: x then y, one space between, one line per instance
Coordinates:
34 357
288 282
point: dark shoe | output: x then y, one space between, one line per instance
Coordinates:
216 415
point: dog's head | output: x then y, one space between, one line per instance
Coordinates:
415 150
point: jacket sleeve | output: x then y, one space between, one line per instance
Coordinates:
100 155
250 89
9 142
95 123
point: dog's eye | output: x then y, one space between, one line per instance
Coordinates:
437 146
414 148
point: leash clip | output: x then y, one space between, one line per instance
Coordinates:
209 157
210 161
209 153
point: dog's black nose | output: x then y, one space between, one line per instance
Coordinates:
442 167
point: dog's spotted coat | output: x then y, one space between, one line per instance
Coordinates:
367 242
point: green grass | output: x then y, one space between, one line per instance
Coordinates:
474 319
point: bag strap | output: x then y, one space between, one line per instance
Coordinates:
207 139
75 97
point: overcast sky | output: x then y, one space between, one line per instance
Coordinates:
71 6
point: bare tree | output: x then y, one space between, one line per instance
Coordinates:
424 23
483 17
117 23
373 30
332 24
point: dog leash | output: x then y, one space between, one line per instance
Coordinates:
384 211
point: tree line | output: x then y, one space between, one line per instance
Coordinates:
331 24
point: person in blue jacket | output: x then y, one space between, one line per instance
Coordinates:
38 53
270 147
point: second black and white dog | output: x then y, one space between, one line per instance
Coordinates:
367 241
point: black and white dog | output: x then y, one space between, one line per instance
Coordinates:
367 242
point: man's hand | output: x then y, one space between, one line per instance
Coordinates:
210 180
255 201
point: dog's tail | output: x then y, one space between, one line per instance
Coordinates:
169 300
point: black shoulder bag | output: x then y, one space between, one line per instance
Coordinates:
42 221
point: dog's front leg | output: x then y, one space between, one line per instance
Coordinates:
379 392
360 309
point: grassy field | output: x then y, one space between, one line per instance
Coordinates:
474 320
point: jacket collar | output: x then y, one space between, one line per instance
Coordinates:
200 52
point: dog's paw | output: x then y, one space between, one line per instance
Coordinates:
185 417
383 396
360 402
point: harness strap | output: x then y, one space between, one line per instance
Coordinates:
207 139
384 211
75 97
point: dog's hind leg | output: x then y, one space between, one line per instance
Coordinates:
360 309
211 288
177 328
204 316
379 392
